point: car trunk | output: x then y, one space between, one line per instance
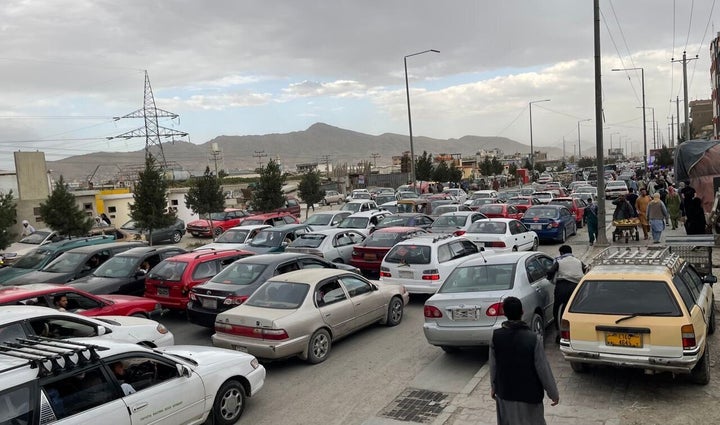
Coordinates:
466 309
257 317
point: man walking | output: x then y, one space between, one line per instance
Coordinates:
641 207
591 219
566 272
519 370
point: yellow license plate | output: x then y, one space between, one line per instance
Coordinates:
623 340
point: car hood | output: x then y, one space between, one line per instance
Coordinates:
203 355
218 246
19 249
7 273
38 276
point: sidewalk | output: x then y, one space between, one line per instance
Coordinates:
604 395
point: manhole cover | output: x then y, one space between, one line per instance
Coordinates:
415 405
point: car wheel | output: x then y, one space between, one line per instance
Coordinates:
141 315
711 322
323 202
217 231
535 244
229 403
449 349
579 224
537 324
574 230
700 374
563 235
176 237
319 346
338 261
578 367
395 312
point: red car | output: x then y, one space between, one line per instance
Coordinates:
272 219
78 301
522 203
500 211
221 221
368 255
576 207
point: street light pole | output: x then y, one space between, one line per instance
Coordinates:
407 91
580 150
642 78
532 148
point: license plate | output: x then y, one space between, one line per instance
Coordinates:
369 257
163 292
617 339
406 274
536 226
209 303
240 348
465 314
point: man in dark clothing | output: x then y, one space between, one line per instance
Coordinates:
631 197
519 370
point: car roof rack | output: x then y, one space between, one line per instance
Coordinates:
49 355
640 256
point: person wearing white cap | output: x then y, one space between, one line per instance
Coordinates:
27 229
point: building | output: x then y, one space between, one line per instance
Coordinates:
701 119
32 185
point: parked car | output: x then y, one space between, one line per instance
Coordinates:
576 207
459 195
442 209
113 382
358 194
276 239
481 194
170 282
125 272
359 205
614 189
367 255
324 220
221 221
170 234
475 204
74 264
303 312
522 203
502 234
500 211
232 286
235 237
382 198
364 222
270 219
468 306
334 245
544 197
455 223
422 221
550 222
78 301
17 250
332 197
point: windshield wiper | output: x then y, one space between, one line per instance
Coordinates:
649 313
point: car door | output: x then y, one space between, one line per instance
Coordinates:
528 236
343 244
336 308
702 292
368 303
540 265
518 238
88 306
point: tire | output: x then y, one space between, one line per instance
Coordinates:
563 235
323 202
535 244
574 230
229 403
176 237
217 231
449 349
578 367
700 374
140 315
579 224
537 324
711 322
338 261
395 312
319 346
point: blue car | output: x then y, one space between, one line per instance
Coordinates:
554 222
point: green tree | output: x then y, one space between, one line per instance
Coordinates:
455 174
665 158
496 166
269 194
61 212
442 172
424 167
149 209
512 169
309 190
205 197
8 218
486 167
586 162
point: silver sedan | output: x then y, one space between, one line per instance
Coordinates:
334 245
468 306
301 313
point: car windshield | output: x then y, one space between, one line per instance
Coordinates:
541 213
233 236
118 267
381 199
33 260
567 204
409 254
445 209
66 263
351 206
480 195
450 221
215 216
383 239
308 240
168 270
36 238
354 223
240 273
392 221
625 297
483 226
491 209
319 219
130 225
280 295
267 239
253 222
542 195
483 278
586 189
518 201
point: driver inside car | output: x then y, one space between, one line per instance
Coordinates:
118 369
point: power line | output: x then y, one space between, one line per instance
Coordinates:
260 155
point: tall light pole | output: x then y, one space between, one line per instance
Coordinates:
532 148
580 150
611 135
407 90
642 78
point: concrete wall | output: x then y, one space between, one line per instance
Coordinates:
117 207
176 202
34 187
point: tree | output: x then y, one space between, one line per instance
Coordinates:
309 190
496 166
424 167
512 169
486 167
269 194
205 196
455 174
665 158
442 172
149 209
8 215
61 212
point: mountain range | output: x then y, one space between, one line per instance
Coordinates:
309 146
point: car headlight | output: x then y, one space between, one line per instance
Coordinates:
162 329
254 363
9 254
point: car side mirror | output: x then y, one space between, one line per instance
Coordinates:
183 370
140 273
711 279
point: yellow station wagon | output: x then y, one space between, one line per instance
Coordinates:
643 308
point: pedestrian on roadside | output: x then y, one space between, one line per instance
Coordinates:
641 207
656 214
519 371
565 273
105 218
591 219
695 223
631 197
672 202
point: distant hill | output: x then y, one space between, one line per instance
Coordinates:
341 145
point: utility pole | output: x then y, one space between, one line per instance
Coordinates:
671 134
260 155
685 92
326 160
601 236
215 156
375 156
563 148
677 106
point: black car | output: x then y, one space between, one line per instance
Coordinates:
170 234
422 221
232 286
125 272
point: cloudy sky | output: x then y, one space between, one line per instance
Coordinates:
240 67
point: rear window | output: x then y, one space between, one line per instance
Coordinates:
319 219
354 223
239 274
233 236
280 295
409 254
33 260
168 270
393 221
492 227
308 240
541 213
445 209
625 297
566 204
450 221
495 277
383 239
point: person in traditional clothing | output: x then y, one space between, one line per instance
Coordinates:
519 370
656 214
591 218
695 223
672 202
641 207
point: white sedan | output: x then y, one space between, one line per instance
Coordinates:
334 245
502 235
24 321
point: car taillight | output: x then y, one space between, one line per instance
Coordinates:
193 296
431 274
565 330
496 244
553 224
459 232
235 300
432 312
385 272
688 337
250 332
495 310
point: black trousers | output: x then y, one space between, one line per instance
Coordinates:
563 291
